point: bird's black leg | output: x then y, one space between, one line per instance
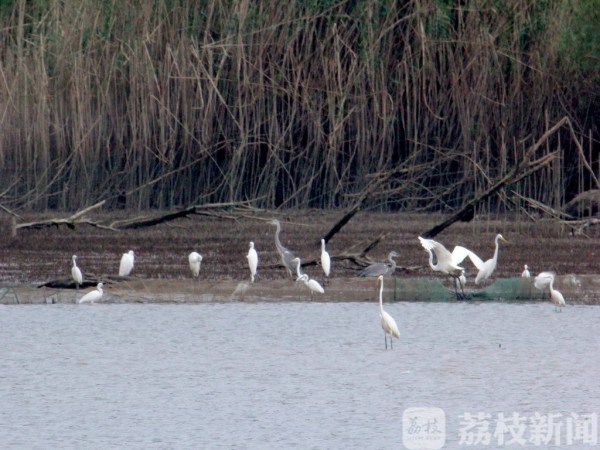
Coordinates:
462 289
391 345
385 339
455 281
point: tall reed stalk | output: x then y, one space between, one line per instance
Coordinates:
296 104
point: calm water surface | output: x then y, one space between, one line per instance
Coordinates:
285 375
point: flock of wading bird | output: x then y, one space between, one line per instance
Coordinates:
440 260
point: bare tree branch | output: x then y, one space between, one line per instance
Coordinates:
522 169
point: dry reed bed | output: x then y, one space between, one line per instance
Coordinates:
298 104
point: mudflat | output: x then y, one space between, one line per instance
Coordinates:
35 257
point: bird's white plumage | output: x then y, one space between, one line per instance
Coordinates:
486 268
526 273
311 284
76 272
298 264
195 260
556 297
93 296
546 280
325 259
126 265
447 262
252 257
543 279
387 321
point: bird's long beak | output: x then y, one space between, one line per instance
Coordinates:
505 240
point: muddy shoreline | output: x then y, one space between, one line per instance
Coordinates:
35 257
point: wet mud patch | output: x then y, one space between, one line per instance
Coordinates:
37 256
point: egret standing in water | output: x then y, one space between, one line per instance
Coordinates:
252 257
325 259
525 273
374 270
76 273
93 296
195 260
287 257
546 280
126 265
387 322
485 268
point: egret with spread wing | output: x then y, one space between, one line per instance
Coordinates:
446 262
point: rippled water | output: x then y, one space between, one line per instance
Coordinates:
286 375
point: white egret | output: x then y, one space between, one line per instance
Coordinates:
126 265
387 322
76 273
542 280
546 279
525 273
252 257
374 270
325 259
311 284
287 257
195 260
93 296
446 262
485 268
298 265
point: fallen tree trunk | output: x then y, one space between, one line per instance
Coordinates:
364 195
90 280
70 221
138 222
521 170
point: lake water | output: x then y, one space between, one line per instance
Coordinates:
297 375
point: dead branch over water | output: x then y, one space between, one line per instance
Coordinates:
170 104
